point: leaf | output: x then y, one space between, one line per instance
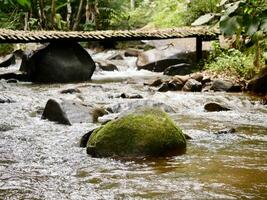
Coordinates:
232 8
263 25
25 3
251 24
223 2
230 25
204 19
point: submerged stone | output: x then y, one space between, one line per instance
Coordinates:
144 132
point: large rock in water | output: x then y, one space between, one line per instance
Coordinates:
259 83
158 60
144 132
60 62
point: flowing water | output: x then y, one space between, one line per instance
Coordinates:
40 159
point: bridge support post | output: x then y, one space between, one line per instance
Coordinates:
199 54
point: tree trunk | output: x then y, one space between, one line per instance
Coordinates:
132 4
68 14
42 14
26 21
53 14
78 16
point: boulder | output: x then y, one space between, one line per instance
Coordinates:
222 86
175 86
107 66
259 83
181 79
70 91
215 107
158 60
164 87
192 86
70 112
198 77
60 62
8 60
144 132
179 69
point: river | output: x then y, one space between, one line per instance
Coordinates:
40 159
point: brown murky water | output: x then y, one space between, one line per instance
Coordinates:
42 160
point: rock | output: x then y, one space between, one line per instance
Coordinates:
259 83
12 80
175 86
220 85
116 56
198 77
132 96
8 60
107 66
60 62
164 87
125 107
70 112
192 86
225 131
70 91
158 60
4 99
85 137
215 107
54 112
14 76
155 83
144 132
181 79
206 80
131 52
179 69
6 127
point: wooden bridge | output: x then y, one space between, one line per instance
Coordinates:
17 36
201 33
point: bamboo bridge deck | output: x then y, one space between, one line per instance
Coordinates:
19 36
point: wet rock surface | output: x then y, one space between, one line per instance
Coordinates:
60 63
215 107
8 60
179 69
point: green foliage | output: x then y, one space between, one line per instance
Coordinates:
6 49
197 8
245 17
231 62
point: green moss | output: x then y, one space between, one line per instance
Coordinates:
147 132
6 49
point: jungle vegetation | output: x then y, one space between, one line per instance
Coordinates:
244 20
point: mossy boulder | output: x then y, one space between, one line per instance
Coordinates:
144 132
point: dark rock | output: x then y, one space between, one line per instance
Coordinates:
6 127
155 83
192 86
53 111
85 138
107 66
70 112
179 69
133 96
215 107
259 83
160 65
175 86
164 87
60 62
132 52
206 87
188 137
14 76
8 60
206 80
70 91
235 88
226 131
220 85
6 100
12 80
